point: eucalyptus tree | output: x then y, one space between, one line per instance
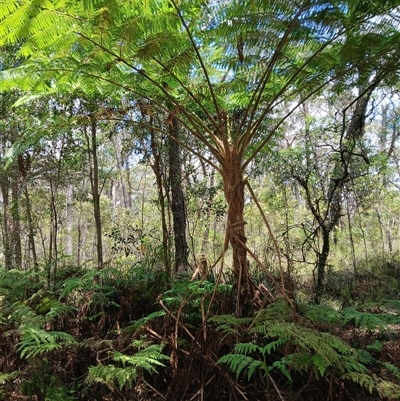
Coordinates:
230 72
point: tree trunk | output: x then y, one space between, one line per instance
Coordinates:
6 224
53 247
156 166
94 184
16 225
322 260
178 207
232 175
31 230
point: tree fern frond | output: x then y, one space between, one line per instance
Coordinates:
4 377
229 324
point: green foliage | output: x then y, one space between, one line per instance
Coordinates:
229 324
144 320
35 341
305 350
128 367
194 296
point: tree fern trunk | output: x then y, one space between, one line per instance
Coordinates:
232 173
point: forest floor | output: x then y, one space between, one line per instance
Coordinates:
138 337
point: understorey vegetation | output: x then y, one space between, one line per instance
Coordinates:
140 336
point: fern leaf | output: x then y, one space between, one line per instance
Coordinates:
254 365
362 379
282 366
147 359
236 362
391 368
387 389
144 320
35 341
246 348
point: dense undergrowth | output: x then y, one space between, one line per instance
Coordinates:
134 335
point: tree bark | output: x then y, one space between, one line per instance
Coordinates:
6 224
322 260
16 225
94 184
156 166
31 230
178 207
232 175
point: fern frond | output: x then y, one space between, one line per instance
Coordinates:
323 313
367 320
362 379
147 359
246 348
387 389
4 377
144 320
391 368
237 362
35 341
72 284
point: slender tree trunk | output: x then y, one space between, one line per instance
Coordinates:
68 220
6 224
94 183
31 230
232 174
322 260
16 246
53 247
156 166
178 207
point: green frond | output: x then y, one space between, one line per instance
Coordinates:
237 362
144 320
322 313
392 369
4 377
35 341
277 311
148 359
367 320
246 348
229 324
362 379
387 389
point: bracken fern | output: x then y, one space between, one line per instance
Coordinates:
128 367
